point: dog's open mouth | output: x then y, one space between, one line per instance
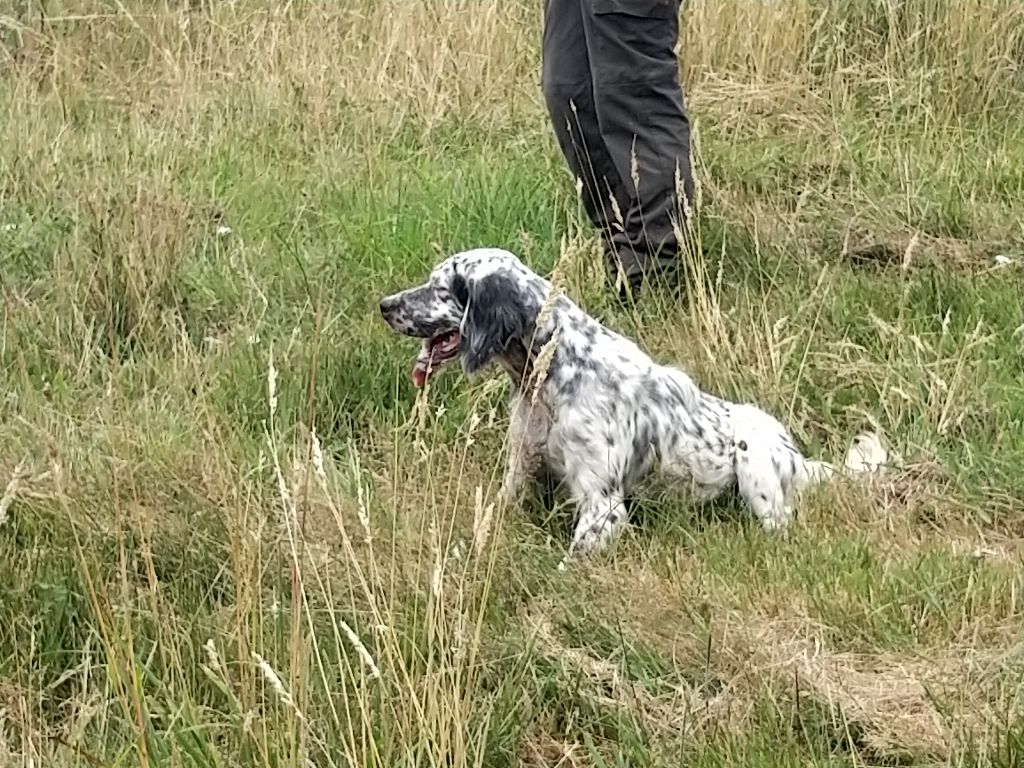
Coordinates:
436 351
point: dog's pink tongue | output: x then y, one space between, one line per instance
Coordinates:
420 372
419 376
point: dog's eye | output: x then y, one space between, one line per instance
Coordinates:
460 290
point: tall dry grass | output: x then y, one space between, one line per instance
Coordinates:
214 594
375 61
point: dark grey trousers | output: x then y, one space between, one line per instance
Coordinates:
612 88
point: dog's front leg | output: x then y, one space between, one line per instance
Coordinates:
524 444
601 518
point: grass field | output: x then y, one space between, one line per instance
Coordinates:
234 534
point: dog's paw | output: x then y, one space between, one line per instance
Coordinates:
508 496
777 525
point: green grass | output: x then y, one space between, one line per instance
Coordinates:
178 567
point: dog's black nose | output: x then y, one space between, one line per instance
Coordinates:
385 305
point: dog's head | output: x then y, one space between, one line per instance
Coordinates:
479 305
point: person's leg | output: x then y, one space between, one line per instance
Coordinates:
568 92
640 106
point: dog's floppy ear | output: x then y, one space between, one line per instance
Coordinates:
497 314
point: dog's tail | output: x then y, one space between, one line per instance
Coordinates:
865 454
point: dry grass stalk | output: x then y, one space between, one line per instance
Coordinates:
18 477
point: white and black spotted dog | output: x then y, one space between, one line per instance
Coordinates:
605 413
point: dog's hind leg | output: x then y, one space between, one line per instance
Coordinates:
765 494
767 465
